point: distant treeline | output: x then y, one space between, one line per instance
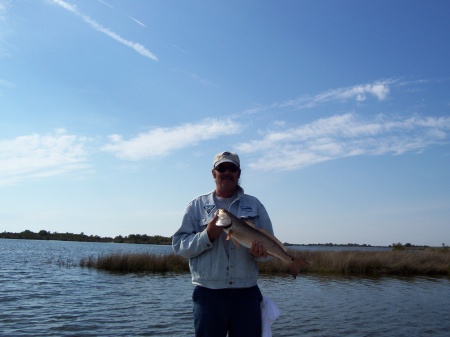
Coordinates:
328 244
138 238
162 240
395 246
46 235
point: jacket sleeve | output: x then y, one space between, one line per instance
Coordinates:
191 239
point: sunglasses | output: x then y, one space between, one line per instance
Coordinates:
222 168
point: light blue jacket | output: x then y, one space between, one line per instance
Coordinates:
209 263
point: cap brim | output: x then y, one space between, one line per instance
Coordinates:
226 161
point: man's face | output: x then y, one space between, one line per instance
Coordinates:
226 176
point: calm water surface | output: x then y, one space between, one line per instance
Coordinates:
43 292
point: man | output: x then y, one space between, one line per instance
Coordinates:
226 297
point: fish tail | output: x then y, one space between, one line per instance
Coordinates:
296 265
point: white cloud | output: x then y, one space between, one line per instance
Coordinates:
137 21
379 90
161 141
95 25
343 136
34 156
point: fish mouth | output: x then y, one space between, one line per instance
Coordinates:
223 220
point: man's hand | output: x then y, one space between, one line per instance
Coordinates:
258 250
213 230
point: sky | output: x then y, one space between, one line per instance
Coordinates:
111 113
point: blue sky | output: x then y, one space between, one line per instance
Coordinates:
112 111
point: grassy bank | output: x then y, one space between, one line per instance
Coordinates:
425 262
137 263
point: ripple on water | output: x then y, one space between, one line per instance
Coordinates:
40 296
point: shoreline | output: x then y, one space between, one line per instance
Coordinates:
167 241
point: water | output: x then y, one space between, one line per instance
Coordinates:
43 292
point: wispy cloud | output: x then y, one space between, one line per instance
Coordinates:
105 3
7 84
162 141
344 136
4 4
139 48
194 77
180 49
137 21
110 6
36 156
379 90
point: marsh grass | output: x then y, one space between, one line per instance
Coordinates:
425 262
428 262
137 263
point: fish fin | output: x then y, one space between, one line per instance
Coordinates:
265 232
296 265
250 223
236 243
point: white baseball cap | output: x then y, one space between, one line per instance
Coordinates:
226 157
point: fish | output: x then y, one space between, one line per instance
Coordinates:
244 233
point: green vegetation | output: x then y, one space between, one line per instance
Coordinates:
144 239
46 235
400 246
423 262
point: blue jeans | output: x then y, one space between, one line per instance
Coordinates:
236 311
